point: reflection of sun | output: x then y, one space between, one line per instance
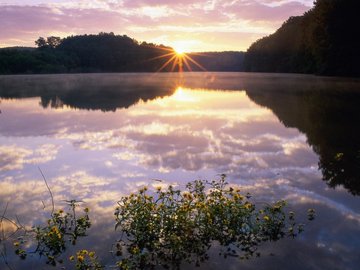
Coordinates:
177 58
183 95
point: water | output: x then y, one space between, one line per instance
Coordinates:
97 137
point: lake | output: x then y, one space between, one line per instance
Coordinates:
97 137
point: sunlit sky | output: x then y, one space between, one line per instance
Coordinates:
189 25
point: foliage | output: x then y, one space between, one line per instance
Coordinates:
171 226
166 228
218 61
105 52
322 41
51 239
86 260
316 109
50 42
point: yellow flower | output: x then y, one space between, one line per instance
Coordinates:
16 244
55 230
248 205
136 250
266 218
71 258
80 258
91 254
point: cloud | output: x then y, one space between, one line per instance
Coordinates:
25 22
13 157
256 11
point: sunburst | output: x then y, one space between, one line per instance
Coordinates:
177 58
179 51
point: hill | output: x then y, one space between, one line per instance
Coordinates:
107 52
323 41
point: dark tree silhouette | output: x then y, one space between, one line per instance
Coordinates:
49 42
107 52
322 41
53 42
40 42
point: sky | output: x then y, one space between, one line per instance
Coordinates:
187 25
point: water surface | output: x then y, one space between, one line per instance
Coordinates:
98 137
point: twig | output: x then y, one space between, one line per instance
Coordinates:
4 257
1 220
3 253
6 237
3 214
51 195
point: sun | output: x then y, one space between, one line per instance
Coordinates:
179 50
178 58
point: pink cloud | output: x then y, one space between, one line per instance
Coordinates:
141 3
21 25
260 12
33 21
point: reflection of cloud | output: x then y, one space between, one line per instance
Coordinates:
217 130
43 154
107 155
29 196
13 157
220 131
297 195
79 184
24 198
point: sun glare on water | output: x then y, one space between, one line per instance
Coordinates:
183 95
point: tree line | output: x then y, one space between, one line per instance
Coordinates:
106 52
323 41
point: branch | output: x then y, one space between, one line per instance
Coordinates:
51 195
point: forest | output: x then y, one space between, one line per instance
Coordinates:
107 52
323 41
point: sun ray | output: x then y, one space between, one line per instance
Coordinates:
193 61
174 64
200 54
187 64
166 63
178 59
161 56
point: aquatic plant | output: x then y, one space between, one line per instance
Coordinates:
172 226
61 228
165 227
86 260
